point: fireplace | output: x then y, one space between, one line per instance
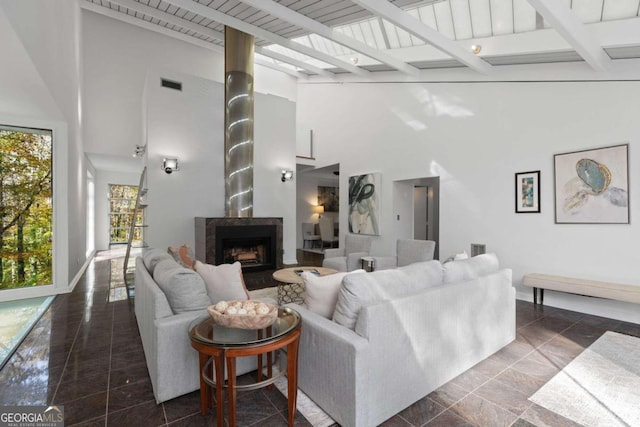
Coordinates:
256 243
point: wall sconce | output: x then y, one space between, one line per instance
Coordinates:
139 151
287 175
319 209
170 165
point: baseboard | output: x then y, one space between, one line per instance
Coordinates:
80 272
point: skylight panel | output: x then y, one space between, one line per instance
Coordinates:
524 16
299 56
619 9
502 17
481 18
329 47
444 20
428 17
367 32
376 30
461 19
392 34
279 63
588 11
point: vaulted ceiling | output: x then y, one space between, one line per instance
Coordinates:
334 38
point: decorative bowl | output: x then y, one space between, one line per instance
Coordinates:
248 314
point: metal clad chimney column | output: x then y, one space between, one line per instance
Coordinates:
238 123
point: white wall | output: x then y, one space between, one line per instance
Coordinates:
117 57
189 125
475 137
42 88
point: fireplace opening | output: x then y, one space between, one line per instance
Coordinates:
253 246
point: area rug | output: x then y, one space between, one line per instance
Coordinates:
600 387
309 410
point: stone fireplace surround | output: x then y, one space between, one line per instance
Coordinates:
210 233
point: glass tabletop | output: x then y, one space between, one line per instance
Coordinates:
204 330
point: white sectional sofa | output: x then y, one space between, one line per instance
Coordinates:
171 361
408 331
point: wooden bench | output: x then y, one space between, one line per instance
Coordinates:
615 291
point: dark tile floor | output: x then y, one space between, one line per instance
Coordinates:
85 353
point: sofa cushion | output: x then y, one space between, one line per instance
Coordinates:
184 288
359 290
471 268
151 258
224 282
321 292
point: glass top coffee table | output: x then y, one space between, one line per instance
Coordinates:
217 345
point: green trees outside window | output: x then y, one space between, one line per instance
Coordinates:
26 208
122 203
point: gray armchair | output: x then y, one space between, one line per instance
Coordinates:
408 251
348 258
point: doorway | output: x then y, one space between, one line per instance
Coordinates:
426 208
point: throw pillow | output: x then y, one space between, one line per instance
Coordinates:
471 268
321 292
183 255
184 288
151 258
457 257
224 282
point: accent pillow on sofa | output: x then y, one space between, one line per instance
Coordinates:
184 288
471 268
224 282
321 292
151 258
359 290
183 255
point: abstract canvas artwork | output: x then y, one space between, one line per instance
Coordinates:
528 192
592 186
364 204
329 197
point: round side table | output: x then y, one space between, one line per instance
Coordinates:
219 345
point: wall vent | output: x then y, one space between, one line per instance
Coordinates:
171 84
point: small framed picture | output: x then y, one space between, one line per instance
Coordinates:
528 192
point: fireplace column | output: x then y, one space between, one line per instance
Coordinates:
238 122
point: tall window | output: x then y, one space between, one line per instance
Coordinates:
26 209
122 202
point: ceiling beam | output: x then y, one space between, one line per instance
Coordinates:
574 32
240 25
300 20
402 19
284 58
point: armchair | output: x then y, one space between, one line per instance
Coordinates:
348 258
408 251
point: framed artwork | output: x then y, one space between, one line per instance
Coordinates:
329 197
364 204
528 192
592 186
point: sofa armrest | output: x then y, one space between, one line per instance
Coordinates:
333 367
332 253
174 361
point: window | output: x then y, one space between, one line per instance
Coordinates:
26 208
122 203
